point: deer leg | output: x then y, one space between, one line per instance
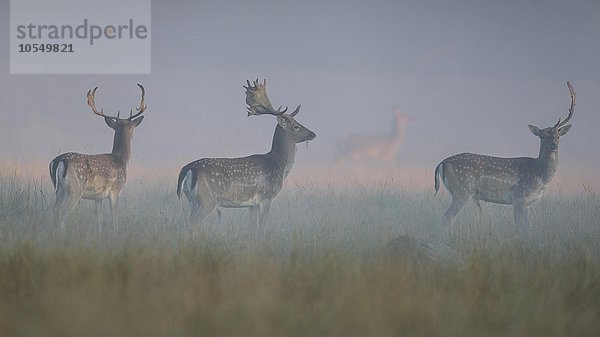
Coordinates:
114 209
98 209
195 208
200 213
478 203
458 202
263 215
59 205
64 204
201 201
526 217
194 205
521 213
255 216
202 205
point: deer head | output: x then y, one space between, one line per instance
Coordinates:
123 126
549 136
401 117
120 125
259 104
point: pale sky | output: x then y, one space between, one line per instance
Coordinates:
473 74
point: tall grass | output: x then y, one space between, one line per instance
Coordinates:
318 270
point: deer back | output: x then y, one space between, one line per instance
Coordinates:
93 175
234 182
488 178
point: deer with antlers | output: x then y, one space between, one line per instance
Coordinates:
96 177
252 181
515 181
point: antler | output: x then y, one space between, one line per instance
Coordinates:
295 112
142 107
258 101
92 103
91 95
571 108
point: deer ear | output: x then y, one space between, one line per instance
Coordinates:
111 123
282 122
563 131
535 130
137 121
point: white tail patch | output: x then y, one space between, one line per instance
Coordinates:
187 181
439 175
443 176
59 173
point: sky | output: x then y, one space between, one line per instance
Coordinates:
473 74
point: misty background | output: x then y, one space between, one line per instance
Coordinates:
472 74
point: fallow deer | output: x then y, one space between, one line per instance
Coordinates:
96 177
383 148
252 181
515 181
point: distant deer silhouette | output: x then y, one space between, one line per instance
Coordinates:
515 181
383 148
96 177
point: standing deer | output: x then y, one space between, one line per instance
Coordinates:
99 176
515 181
376 147
251 181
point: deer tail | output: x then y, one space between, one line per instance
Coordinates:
58 171
185 174
439 174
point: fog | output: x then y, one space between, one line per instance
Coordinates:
472 74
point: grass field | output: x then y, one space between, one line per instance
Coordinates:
319 270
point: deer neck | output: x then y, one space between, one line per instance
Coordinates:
122 146
397 133
283 150
547 162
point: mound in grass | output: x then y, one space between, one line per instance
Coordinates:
420 254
